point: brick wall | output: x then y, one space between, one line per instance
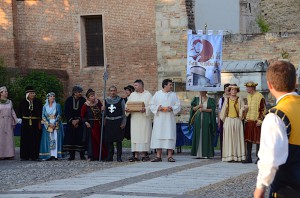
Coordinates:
48 37
6 33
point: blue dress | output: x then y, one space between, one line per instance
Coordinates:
52 140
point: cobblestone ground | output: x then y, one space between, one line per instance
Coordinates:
15 174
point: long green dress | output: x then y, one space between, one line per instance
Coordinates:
204 137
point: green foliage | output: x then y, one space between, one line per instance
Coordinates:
43 83
284 54
17 141
262 24
4 79
126 143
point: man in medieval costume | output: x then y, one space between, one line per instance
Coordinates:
256 110
220 122
115 121
30 111
128 90
74 132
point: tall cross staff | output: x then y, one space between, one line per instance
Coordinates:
105 78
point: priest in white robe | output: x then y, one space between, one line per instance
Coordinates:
140 123
164 105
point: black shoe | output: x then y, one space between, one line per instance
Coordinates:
134 159
157 159
82 158
109 160
145 159
119 159
71 158
247 161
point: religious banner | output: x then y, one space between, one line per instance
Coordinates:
204 61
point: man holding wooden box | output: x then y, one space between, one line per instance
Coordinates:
141 125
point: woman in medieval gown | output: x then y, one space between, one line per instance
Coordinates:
91 116
8 120
203 120
232 114
52 132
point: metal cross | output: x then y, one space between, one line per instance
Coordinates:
111 108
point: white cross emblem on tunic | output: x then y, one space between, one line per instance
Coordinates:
111 108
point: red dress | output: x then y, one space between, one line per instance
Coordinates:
91 113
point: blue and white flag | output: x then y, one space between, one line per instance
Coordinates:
204 61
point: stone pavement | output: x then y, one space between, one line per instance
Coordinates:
140 180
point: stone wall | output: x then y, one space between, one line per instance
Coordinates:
47 35
281 15
171 26
171 42
249 11
269 46
171 39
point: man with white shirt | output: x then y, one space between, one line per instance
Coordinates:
279 153
164 105
140 122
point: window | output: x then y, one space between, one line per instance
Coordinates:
92 41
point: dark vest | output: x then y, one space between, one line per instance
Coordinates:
113 110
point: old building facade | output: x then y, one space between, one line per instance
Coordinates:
249 43
141 38
51 35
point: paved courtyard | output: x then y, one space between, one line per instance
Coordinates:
187 177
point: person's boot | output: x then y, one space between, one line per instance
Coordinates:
257 149
119 158
119 151
110 156
147 157
248 154
72 156
82 157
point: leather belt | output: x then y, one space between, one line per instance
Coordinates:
114 118
30 118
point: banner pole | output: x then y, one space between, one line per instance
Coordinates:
105 77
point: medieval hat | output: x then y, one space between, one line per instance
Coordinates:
77 89
234 86
129 87
251 84
89 92
226 85
50 94
29 89
3 88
